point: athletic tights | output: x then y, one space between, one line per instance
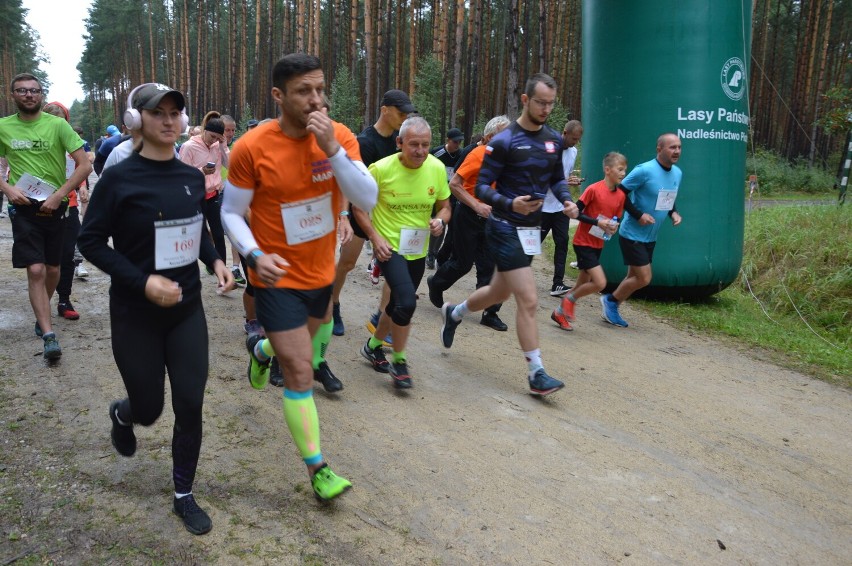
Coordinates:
148 341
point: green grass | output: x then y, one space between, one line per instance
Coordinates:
793 298
775 175
794 294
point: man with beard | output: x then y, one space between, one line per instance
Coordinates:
290 245
35 143
524 162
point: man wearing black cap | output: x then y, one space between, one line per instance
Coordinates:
376 141
448 154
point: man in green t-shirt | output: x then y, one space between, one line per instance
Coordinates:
35 143
410 183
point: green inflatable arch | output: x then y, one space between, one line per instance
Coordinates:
651 67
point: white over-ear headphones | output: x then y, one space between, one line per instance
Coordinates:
133 119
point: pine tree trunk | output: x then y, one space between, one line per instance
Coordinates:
457 56
512 94
369 63
412 49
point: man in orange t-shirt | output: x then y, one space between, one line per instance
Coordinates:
292 173
468 224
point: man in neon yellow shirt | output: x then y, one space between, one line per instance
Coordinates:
410 184
35 144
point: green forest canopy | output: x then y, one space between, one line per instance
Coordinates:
442 51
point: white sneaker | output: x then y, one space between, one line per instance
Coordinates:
573 264
80 271
3 214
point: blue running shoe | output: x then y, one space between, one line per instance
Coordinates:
52 351
371 328
448 328
542 384
609 311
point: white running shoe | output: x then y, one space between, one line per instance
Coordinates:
80 271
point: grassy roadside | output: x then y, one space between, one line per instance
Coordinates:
793 299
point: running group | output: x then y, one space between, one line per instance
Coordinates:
292 194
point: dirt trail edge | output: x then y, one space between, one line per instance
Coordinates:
665 447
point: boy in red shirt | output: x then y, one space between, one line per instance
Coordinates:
600 207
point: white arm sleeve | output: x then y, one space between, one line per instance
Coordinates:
235 204
355 181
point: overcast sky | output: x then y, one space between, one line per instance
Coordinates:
62 38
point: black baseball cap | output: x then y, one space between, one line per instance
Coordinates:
150 95
399 99
455 134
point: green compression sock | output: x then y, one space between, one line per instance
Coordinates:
398 357
300 413
264 346
320 343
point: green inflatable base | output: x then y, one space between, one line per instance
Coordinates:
673 294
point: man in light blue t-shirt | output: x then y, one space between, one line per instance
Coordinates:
651 193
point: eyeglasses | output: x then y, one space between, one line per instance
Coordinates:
544 103
25 91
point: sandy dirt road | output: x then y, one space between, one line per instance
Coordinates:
664 448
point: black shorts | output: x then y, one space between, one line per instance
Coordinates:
502 239
286 309
587 256
356 228
637 254
249 287
37 239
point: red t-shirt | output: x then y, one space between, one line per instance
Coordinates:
599 200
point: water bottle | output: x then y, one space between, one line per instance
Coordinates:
607 236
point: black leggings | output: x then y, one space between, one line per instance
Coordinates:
147 341
67 265
403 277
212 213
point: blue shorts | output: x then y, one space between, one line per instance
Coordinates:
286 309
637 254
504 244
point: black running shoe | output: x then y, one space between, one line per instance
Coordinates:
276 376
448 328
329 381
400 375
376 357
491 320
194 518
123 438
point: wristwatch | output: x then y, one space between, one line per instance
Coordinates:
251 258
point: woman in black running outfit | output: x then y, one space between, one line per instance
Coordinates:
150 204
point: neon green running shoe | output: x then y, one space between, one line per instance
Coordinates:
328 485
258 371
